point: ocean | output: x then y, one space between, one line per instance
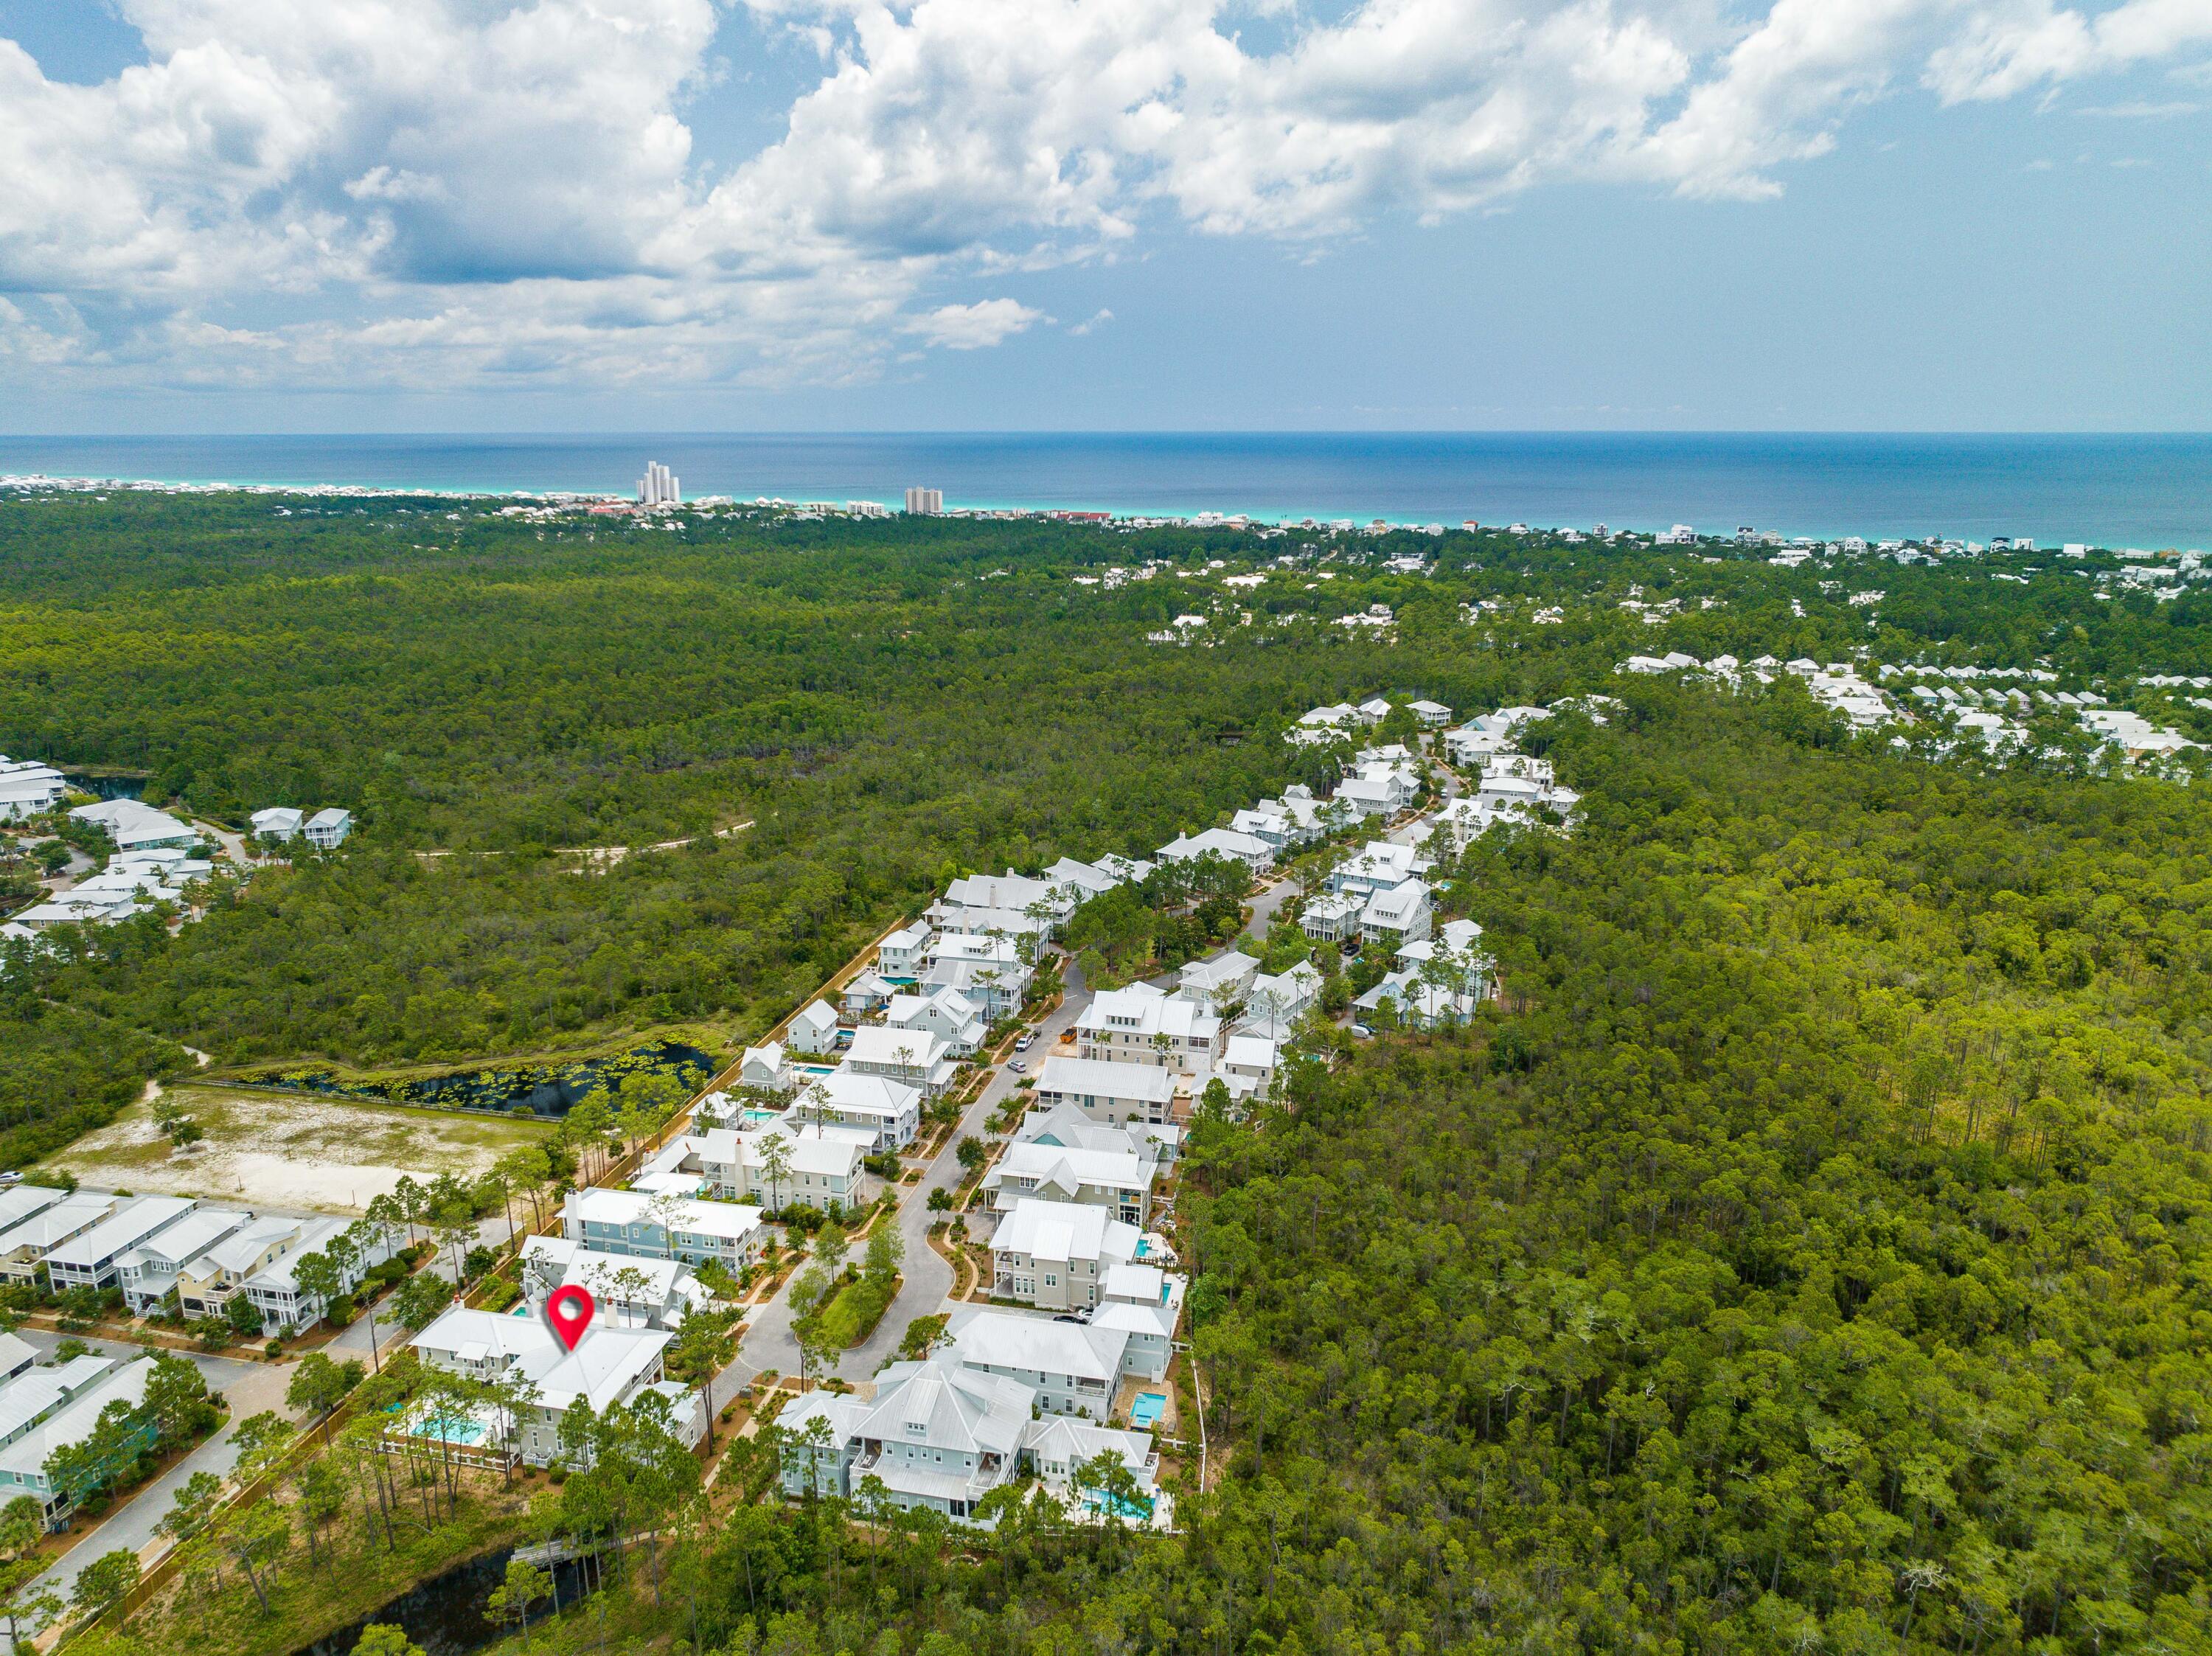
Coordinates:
2129 490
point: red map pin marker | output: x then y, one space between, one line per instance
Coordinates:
569 1311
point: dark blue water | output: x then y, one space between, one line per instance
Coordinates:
2115 490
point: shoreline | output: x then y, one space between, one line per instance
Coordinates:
2130 490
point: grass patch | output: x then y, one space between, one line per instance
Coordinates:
852 1314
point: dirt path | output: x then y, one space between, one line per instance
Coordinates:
600 856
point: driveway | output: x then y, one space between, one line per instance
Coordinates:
767 1340
248 1387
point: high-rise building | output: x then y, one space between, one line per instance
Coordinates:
925 502
658 486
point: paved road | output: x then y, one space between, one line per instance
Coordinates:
928 1279
248 1387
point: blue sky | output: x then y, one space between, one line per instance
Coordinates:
656 214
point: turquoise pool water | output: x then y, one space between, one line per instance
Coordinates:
754 1116
1094 1501
1147 1409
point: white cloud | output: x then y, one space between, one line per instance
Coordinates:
440 192
1092 324
972 327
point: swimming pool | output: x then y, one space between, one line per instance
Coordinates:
1094 1502
754 1117
445 1428
1147 1409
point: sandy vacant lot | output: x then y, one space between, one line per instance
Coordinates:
266 1150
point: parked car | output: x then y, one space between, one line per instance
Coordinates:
1021 1044
1019 1067
1363 1031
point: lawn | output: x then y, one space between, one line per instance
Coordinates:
271 1150
852 1314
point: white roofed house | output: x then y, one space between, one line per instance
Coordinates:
936 1435
134 825
1374 710
1439 982
630 1222
1377 866
609 1367
276 1291
1398 916
149 1270
1434 714
278 822
912 1057
1065 1124
1044 903
1282 997
901 955
1141 1024
328 829
767 1068
1248 1068
1083 881
1120 1181
1073 1370
94 1258
1055 1255
27 789
630 1291
206 1281
1145 1303
784 1164
989 970
950 1015
889 1111
866 995
1332 916
1219 982
812 1028
1108 1092
1255 852
23 1202
1470 744
69 1421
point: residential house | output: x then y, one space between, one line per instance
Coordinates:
206 1281
635 1225
1398 916
1042 901
136 826
812 1028
1248 1068
1433 714
1072 1369
1055 1255
23 1462
1282 997
326 830
912 1057
1141 1024
866 995
1377 866
901 955
1120 1181
888 1112
149 1270
940 1435
953 1018
275 1291
94 1258
278 823
28 1242
609 1367
1106 1091
21 1202
28 789
1066 1125
1255 852
767 1068
988 970
823 1166
31 1394
1220 982
16 1356
1332 916
935 1436
629 1291
1143 1303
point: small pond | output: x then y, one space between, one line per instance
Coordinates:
549 1090
445 1615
